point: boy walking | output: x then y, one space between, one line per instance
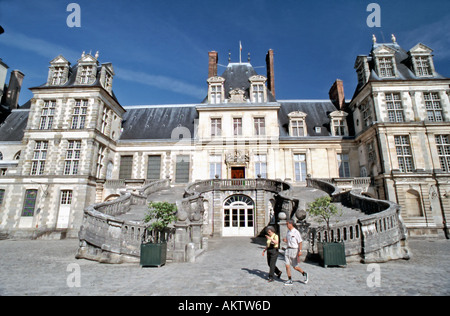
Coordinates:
293 252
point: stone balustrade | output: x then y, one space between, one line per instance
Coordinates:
378 236
105 238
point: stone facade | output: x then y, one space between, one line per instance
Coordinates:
74 144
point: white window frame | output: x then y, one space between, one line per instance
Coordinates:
39 158
73 156
443 148
215 166
433 106
404 153
259 126
344 165
300 167
47 115
386 67
79 114
394 105
261 165
216 126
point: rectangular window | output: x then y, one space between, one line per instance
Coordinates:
433 106
2 196
100 157
297 128
260 126
339 128
126 167
79 114
47 115
216 94
215 166
73 154
404 154
344 165
29 203
300 167
367 114
3 171
258 93
443 147
86 73
423 67
237 126
182 169
395 108
57 77
154 167
261 166
104 120
386 67
39 157
66 197
216 127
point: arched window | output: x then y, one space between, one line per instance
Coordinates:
238 216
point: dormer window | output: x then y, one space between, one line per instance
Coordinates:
423 67
106 76
57 76
339 123
297 124
258 92
386 67
216 90
59 71
85 75
422 61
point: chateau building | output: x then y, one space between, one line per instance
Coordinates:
73 144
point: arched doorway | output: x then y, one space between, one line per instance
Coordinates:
238 216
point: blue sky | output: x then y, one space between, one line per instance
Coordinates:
159 49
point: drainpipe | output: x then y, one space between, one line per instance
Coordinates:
444 219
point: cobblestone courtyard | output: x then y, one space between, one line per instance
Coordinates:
230 267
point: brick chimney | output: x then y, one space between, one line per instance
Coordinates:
213 60
270 72
13 91
337 94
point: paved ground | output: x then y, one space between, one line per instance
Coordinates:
230 267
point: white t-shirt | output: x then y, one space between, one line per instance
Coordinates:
293 238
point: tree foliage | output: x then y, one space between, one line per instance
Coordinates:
323 209
160 215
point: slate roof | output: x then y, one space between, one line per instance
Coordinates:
236 75
13 127
403 63
157 122
71 82
317 115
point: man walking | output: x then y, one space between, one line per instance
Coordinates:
293 252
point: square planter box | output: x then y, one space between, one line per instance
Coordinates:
332 253
153 255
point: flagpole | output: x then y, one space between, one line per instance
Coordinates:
240 52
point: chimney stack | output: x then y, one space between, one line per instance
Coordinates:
270 72
336 94
13 91
213 60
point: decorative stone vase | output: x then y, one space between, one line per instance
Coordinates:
153 255
332 253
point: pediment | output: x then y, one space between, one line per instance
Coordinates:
257 78
216 79
87 59
297 114
338 114
383 50
60 60
421 49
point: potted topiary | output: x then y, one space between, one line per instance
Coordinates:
154 247
331 253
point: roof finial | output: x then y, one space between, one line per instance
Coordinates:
248 58
84 54
394 39
374 39
96 55
229 56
